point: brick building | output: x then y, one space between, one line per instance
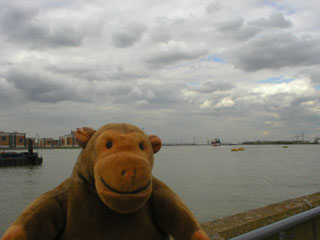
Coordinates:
4 140
68 140
12 140
46 142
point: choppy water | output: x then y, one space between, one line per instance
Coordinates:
213 181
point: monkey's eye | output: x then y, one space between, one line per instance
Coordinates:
109 144
141 146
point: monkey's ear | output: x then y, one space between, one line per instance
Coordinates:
155 142
83 135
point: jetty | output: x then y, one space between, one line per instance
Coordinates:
20 158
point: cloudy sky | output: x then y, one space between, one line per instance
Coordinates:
237 70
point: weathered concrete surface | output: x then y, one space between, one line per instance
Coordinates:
238 224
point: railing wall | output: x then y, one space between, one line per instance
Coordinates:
236 225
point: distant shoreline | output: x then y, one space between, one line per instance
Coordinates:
277 143
40 148
173 145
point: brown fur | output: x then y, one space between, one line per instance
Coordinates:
111 194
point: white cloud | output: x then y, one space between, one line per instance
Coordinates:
206 104
299 87
225 103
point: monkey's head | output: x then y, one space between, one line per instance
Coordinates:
120 161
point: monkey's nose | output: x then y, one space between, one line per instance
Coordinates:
128 173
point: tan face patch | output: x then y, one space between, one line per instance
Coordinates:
123 169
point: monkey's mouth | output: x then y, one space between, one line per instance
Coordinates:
119 192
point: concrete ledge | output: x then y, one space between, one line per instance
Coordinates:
238 224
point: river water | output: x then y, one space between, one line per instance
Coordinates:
213 181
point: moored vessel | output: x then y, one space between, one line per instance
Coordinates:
20 158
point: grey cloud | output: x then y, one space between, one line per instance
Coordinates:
274 51
77 70
275 21
296 117
161 31
8 93
111 90
173 52
315 75
163 96
12 14
23 24
302 99
145 94
231 25
69 69
213 7
149 96
44 87
141 91
236 29
127 74
127 35
211 86
98 73
239 30
277 116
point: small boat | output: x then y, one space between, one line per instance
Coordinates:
216 142
20 159
237 149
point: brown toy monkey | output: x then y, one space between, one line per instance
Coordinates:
111 195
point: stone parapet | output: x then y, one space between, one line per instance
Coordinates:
238 224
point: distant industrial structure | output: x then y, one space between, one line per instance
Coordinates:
259 142
11 140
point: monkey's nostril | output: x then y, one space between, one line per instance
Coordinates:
128 173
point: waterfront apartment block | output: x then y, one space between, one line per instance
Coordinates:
46 142
12 140
68 140
18 140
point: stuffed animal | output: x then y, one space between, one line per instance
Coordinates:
111 194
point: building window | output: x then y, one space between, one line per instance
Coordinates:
4 138
20 140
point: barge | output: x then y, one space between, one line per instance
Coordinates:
20 158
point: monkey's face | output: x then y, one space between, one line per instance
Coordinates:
122 168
